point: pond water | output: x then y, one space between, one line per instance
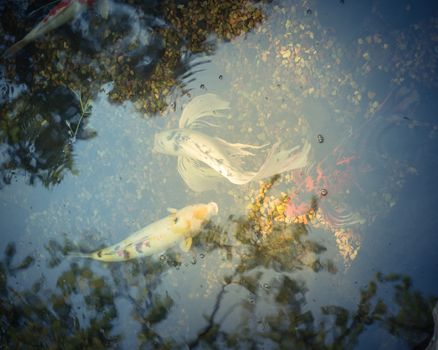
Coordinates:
336 253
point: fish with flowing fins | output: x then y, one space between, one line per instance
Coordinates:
179 227
203 160
63 12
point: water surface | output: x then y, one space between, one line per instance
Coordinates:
338 255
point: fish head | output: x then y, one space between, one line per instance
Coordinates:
202 213
168 142
190 219
213 208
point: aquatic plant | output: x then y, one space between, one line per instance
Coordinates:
85 111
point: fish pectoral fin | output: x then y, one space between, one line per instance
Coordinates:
186 244
172 210
207 105
196 175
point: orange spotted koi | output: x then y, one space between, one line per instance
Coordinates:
179 227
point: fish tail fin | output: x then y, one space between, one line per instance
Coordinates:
280 161
15 48
80 255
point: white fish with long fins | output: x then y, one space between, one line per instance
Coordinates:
203 160
177 228
63 12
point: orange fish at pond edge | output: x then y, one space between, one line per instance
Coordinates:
315 183
345 160
293 210
63 12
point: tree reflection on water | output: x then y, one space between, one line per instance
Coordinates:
84 308
40 124
144 49
40 131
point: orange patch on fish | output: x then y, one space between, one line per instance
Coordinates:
200 213
309 183
345 160
62 5
293 210
320 174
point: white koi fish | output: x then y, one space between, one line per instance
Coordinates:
179 227
63 12
203 160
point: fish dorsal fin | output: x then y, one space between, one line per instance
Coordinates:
172 210
186 244
196 175
201 107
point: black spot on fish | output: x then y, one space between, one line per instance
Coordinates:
171 135
175 220
178 137
181 138
126 254
99 253
198 147
138 247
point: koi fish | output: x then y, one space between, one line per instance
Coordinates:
345 160
203 160
63 12
179 227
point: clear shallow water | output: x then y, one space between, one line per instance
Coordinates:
361 75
